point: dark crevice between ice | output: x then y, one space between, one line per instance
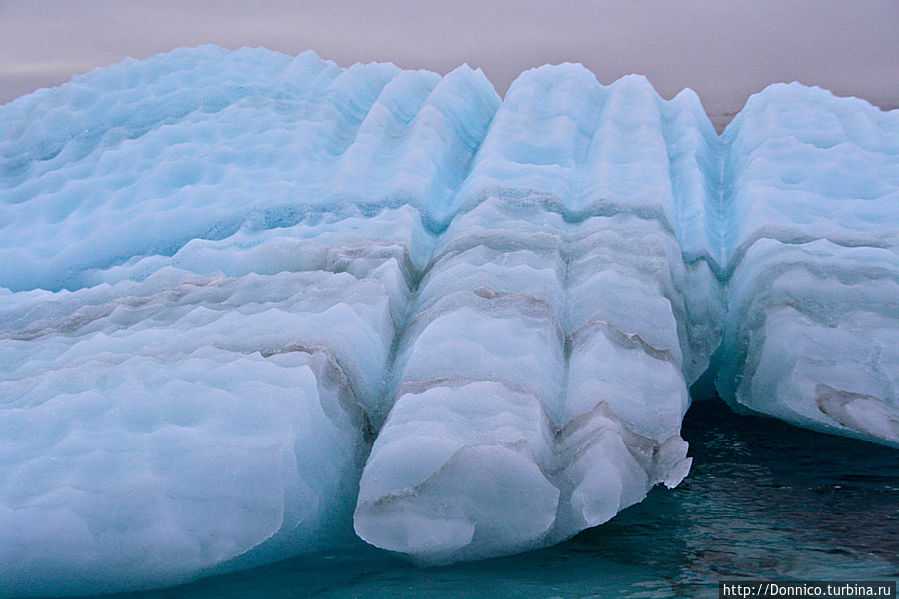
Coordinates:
435 226
703 388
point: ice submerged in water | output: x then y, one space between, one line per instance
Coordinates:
250 303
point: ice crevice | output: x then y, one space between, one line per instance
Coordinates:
251 304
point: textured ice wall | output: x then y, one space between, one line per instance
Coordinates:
236 234
811 187
540 383
223 274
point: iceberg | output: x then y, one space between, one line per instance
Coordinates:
540 384
252 304
812 243
192 347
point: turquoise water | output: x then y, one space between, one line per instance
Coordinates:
764 500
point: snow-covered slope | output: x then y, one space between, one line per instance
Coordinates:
243 294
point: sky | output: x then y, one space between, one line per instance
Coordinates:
725 50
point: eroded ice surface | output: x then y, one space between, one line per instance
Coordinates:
812 186
244 294
207 256
540 382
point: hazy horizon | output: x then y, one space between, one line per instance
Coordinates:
723 51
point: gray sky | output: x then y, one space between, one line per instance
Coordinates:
725 50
